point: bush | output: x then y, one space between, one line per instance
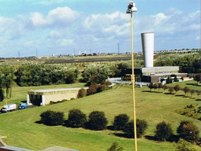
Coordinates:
52 118
81 93
120 121
97 121
92 89
182 145
188 131
76 118
141 127
115 147
163 131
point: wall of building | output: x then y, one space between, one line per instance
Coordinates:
43 97
59 96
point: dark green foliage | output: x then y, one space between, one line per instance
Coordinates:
183 145
120 121
76 118
141 127
163 131
115 147
52 118
6 79
197 78
188 131
95 74
38 74
188 63
97 121
82 92
1 94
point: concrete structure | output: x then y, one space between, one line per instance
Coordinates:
148 48
43 97
155 74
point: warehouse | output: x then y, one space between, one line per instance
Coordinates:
43 97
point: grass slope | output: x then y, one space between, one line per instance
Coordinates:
21 129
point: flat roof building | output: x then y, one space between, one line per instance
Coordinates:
46 96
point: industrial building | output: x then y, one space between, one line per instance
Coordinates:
43 97
149 73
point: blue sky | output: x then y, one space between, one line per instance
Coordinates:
83 26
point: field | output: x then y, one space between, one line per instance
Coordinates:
21 129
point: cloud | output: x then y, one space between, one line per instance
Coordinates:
60 16
109 24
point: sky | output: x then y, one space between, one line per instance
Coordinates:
54 27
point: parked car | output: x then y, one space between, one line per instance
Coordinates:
22 106
8 108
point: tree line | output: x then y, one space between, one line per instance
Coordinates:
97 120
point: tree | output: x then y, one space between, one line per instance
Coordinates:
120 121
197 78
76 118
177 88
97 121
115 147
81 93
1 94
141 127
183 145
52 118
95 74
188 131
163 131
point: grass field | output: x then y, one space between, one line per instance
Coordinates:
154 107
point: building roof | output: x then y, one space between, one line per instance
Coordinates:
53 90
12 148
58 148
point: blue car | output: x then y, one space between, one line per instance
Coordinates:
22 106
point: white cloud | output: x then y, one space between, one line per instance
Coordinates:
60 16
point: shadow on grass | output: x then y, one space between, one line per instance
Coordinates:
193 84
151 91
39 122
198 99
123 135
180 95
173 138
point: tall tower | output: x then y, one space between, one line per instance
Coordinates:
148 48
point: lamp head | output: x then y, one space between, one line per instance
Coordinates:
131 7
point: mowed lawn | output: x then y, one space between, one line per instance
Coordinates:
21 128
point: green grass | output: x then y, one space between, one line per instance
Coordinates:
21 129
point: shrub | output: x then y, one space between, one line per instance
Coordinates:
81 93
188 131
52 118
92 89
115 147
120 121
141 127
183 145
76 118
177 88
163 131
97 121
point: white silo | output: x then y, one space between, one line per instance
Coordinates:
148 48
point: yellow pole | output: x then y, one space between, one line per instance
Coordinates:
133 81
